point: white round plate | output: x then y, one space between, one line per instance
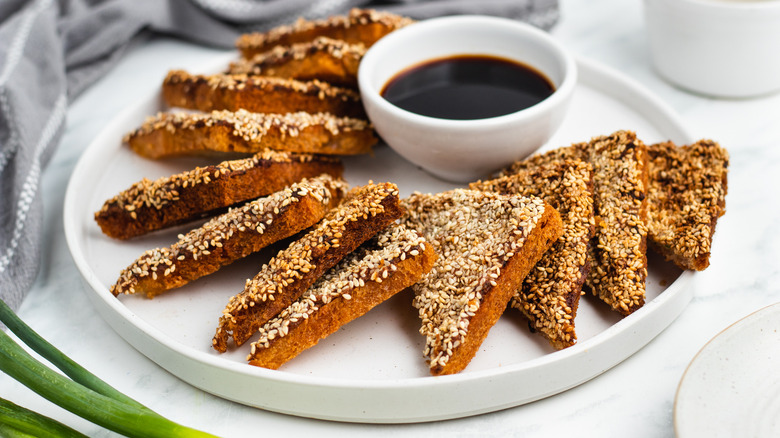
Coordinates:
732 386
372 370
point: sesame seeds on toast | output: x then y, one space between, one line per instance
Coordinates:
618 251
486 244
322 58
231 236
364 26
152 205
687 195
550 293
383 266
172 134
366 211
259 94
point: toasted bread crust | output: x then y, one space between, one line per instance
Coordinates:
380 268
173 134
367 210
618 251
687 195
231 236
486 244
258 94
363 26
323 59
550 293
152 205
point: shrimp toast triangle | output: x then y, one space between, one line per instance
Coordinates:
366 211
233 235
394 259
153 205
687 195
486 244
550 294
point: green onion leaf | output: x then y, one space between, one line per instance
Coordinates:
89 397
58 358
16 421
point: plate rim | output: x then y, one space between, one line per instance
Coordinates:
732 328
595 75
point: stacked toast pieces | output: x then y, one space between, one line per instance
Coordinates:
574 219
550 294
615 195
617 254
294 89
347 255
272 129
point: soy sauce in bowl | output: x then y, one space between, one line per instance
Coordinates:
467 87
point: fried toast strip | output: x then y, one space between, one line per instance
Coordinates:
486 244
618 251
259 94
363 26
152 205
323 59
394 259
550 293
231 236
366 211
687 195
172 134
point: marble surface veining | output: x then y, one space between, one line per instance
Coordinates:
634 398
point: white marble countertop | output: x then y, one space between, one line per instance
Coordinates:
636 396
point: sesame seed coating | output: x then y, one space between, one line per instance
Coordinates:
366 211
322 58
360 26
550 293
178 133
618 252
476 235
384 265
258 94
686 196
152 205
231 236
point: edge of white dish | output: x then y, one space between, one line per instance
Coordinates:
394 400
755 419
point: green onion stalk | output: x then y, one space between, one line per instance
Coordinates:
85 395
16 421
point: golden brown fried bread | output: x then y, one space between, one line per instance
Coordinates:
687 195
324 59
486 244
618 252
152 205
259 94
172 134
231 236
366 211
551 292
394 259
364 26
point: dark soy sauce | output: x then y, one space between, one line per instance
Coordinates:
467 87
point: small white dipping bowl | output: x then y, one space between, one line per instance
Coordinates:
465 150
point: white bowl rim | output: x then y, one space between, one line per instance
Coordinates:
558 97
746 6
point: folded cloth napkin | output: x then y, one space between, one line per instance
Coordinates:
50 50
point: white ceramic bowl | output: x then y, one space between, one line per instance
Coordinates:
465 150
716 47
